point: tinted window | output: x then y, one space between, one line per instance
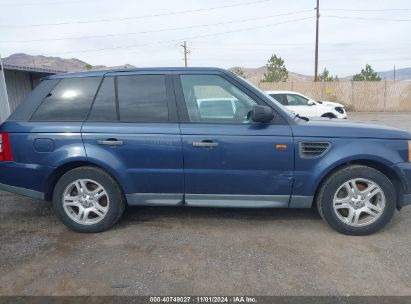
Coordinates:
142 98
69 100
296 100
280 98
212 99
104 107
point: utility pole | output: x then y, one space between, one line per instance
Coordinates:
316 41
394 72
186 52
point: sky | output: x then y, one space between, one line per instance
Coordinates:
219 33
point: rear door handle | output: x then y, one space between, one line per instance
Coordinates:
205 144
110 142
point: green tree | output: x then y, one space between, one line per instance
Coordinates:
325 76
88 67
366 74
239 72
276 70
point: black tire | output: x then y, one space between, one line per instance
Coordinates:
329 115
114 193
336 180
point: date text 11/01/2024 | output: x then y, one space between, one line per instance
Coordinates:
205 299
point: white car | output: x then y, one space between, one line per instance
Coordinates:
307 107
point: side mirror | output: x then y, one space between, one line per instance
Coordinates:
310 103
262 114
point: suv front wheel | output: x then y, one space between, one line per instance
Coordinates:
357 200
87 199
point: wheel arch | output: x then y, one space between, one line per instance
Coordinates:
329 115
68 166
377 165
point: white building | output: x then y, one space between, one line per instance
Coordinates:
15 83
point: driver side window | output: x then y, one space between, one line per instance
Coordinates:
212 99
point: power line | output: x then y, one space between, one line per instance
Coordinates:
135 17
366 10
370 19
159 30
43 3
176 40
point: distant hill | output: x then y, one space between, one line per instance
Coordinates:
400 74
256 74
55 63
252 74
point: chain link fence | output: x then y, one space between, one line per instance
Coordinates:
361 96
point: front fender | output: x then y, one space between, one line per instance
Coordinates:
310 172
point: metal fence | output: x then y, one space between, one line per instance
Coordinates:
361 96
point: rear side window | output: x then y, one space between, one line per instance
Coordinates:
104 107
69 100
142 98
280 98
296 100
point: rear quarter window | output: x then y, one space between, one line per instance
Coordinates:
69 100
104 107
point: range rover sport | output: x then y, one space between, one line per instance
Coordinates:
94 142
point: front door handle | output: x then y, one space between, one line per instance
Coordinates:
110 142
205 144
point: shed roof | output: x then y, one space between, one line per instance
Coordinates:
31 69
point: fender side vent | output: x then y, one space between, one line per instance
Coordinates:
313 149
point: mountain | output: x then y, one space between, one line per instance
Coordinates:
256 74
55 63
252 74
400 74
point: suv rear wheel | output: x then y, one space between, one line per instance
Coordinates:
87 199
357 200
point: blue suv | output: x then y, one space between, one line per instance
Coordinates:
95 142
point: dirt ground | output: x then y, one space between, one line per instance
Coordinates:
203 251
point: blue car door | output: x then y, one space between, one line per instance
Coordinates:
230 161
132 131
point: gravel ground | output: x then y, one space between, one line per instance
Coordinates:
203 251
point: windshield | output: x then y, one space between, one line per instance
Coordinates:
287 111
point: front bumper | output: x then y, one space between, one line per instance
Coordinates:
406 200
403 171
339 115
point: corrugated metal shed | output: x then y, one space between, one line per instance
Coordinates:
20 80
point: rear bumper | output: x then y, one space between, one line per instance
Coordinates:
24 179
22 191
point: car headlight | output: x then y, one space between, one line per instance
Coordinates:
340 110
